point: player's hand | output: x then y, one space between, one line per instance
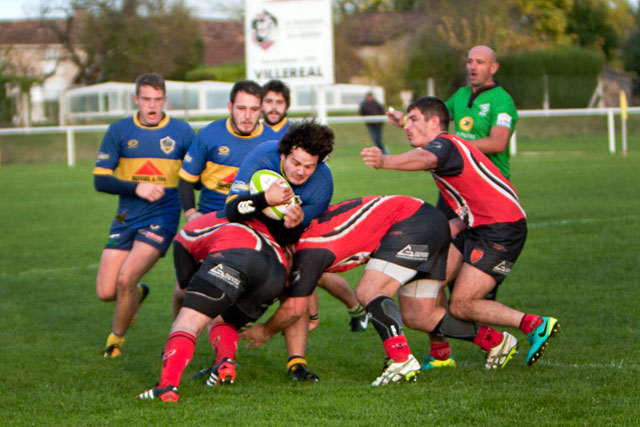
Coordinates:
279 193
372 156
293 216
395 117
149 191
192 214
256 335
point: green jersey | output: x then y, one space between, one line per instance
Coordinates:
475 114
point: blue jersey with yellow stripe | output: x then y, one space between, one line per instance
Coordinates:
315 194
214 158
138 153
279 129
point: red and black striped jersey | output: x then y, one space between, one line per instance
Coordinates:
472 185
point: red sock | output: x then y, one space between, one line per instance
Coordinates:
440 351
224 340
529 323
177 354
397 348
488 338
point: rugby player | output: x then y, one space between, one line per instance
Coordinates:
145 152
483 254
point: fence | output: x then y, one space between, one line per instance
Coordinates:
70 131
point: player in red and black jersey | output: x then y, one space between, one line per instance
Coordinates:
483 254
232 272
404 242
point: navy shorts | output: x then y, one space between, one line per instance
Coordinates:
494 248
154 235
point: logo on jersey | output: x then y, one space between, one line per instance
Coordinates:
504 267
223 151
484 109
264 29
154 227
103 156
148 172
476 255
132 143
167 144
504 120
246 207
414 252
121 217
187 158
466 123
226 274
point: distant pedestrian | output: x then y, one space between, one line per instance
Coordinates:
371 107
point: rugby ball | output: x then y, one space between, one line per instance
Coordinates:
263 179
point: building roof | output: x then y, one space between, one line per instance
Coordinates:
28 32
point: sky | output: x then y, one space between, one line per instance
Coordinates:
26 9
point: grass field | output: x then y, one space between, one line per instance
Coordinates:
580 264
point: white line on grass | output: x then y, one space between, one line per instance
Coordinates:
564 222
37 271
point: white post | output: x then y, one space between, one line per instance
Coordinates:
71 151
624 135
612 131
513 150
431 87
321 100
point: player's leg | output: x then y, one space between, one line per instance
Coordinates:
178 352
137 263
108 270
296 337
338 287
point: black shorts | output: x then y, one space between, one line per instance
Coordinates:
494 248
420 242
251 281
184 264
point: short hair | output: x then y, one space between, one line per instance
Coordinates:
151 79
313 138
247 86
278 86
431 106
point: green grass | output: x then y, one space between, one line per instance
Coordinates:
580 264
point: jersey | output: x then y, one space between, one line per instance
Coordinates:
280 128
213 233
345 236
139 153
314 195
475 114
214 158
471 185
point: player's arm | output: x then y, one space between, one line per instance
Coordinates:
289 311
496 142
413 160
187 197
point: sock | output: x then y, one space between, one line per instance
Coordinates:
488 338
294 360
529 323
114 339
356 311
440 351
224 340
397 348
177 354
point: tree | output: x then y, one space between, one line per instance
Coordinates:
119 40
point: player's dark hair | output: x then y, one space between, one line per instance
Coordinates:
150 79
431 106
247 86
313 138
278 86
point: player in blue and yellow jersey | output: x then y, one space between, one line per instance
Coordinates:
299 158
275 106
219 148
145 152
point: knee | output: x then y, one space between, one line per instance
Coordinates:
125 283
106 292
362 296
457 308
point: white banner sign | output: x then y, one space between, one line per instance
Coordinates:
289 40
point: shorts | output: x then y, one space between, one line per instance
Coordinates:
442 205
492 249
420 243
184 264
153 235
251 281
